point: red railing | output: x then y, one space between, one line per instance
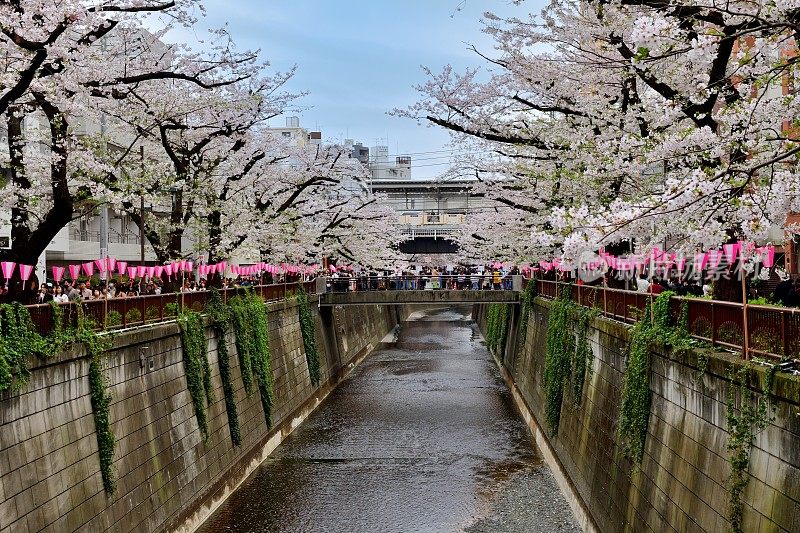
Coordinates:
772 332
116 313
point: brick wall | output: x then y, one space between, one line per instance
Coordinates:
681 485
167 478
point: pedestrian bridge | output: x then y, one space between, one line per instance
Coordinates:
403 297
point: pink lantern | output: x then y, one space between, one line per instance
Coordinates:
141 271
700 260
122 267
159 271
714 258
112 263
8 269
168 269
74 271
189 266
182 265
766 254
731 250
101 265
88 268
58 273
132 271
25 271
680 263
150 271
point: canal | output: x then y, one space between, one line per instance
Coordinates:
423 436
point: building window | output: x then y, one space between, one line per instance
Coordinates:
286 134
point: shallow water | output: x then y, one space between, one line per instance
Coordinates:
423 436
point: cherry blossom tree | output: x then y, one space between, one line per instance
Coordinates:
635 121
62 63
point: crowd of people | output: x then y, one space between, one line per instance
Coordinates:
486 277
97 289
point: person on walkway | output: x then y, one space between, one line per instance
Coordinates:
783 292
60 296
642 285
497 279
656 287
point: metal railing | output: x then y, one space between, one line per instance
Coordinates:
420 282
116 313
772 332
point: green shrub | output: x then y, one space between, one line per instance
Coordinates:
151 313
113 318
133 316
171 309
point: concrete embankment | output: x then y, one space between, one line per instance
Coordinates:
167 478
684 482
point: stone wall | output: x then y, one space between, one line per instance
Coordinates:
167 478
682 482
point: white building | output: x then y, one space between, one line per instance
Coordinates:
382 168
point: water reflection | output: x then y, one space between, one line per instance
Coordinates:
423 436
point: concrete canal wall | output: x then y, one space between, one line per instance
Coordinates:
683 481
168 479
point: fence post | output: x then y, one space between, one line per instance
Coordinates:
713 326
746 341
625 306
784 335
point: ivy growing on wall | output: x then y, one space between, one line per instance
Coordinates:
220 323
245 339
251 326
195 363
568 355
528 296
582 360
744 419
655 328
498 322
99 398
18 339
309 337
559 354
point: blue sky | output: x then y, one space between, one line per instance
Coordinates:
359 60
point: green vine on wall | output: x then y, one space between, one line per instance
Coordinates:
528 296
559 355
220 323
99 398
655 328
582 360
245 339
251 325
744 420
498 323
309 337
195 362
